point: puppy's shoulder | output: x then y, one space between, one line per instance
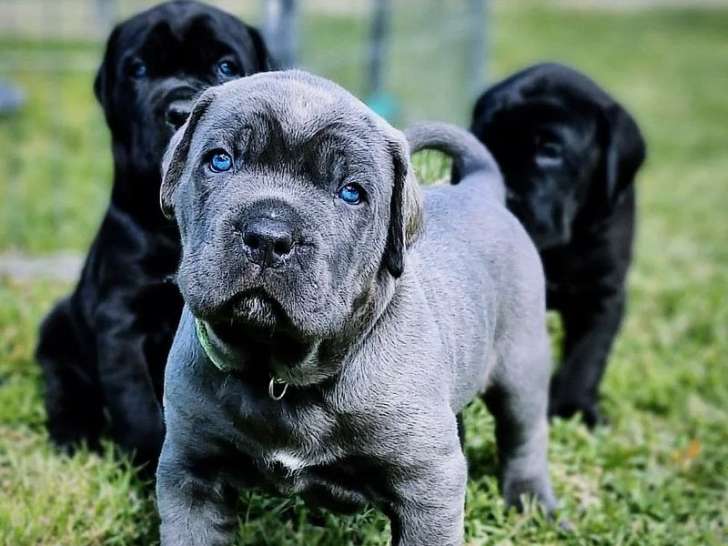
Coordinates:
185 358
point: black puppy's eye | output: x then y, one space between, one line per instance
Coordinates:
138 69
227 69
220 162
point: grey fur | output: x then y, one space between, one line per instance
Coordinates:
386 319
467 153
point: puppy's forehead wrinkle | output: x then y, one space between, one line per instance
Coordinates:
581 92
333 148
265 121
176 18
202 24
300 99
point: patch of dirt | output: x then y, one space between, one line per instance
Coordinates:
61 266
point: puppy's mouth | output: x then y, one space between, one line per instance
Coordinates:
549 241
255 324
256 312
256 315
545 235
176 106
547 238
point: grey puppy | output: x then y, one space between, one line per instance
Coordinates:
337 320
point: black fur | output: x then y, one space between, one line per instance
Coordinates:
569 154
103 348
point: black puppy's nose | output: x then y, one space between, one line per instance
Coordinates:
177 113
268 241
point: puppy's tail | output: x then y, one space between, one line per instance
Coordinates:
468 154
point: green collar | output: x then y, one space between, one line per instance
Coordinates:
227 364
214 355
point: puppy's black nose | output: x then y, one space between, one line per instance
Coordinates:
268 241
177 113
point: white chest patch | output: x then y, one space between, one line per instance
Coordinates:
289 460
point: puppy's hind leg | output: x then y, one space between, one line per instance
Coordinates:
518 401
72 392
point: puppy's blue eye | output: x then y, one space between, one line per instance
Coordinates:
138 69
351 194
227 68
220 162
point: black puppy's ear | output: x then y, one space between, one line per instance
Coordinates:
265 61
625 151
175 158
405 209
104 82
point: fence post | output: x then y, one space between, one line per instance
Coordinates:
383 103
281 31
107 12
378 46
477 68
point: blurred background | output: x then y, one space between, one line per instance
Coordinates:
408 59
656 474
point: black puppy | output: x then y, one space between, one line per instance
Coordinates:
569 154
103 348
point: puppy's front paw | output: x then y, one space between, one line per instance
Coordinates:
514 491
69 440
567 408
563 403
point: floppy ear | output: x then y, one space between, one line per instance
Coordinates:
104 82
175 158
624 151
265 61
405 209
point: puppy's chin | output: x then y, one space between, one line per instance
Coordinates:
546 241
272 350
257 312
308 371
255 318
544 236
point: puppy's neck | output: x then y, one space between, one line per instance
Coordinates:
300 363
250 355
136 192
375 303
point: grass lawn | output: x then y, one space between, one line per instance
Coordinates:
657 474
